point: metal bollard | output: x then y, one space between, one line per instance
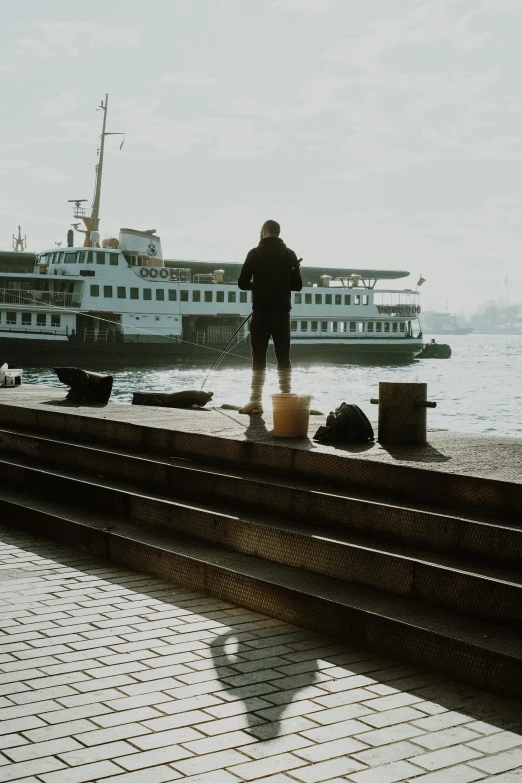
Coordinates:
402 412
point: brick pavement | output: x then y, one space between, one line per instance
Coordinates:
108 675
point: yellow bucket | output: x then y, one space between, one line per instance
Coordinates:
291 413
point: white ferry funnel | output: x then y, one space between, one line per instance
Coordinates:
145 245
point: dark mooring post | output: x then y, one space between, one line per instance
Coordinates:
402 412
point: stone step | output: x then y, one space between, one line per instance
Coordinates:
487 592
489 538
476 651
155 434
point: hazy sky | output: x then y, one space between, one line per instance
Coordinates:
380 133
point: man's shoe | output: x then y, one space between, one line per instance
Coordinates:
252 407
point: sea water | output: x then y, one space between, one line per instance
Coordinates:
478 390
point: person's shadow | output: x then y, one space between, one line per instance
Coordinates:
229 652
256 429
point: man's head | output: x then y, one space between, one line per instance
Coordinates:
270 229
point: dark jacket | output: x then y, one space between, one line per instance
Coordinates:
270 271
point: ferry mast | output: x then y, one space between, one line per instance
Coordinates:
95 215
92 221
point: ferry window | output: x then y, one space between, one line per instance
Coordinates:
121 292
41 319
334 326
352 326
107 291
370 326
208 296
60 258
160 294
366 299
95 290
90 256
386 326
196 296
100 258
378 326
11 318
401 326
394 326
357 299
231 296
360 326
318 298
338 299
70 258
173 294
134 293
81 256
342 326
298 299
113 259
324 326
147 293
55 320
314 325
293 326
304 326
220 296
328 299
183 295
347 299
243 297
26 319
308 298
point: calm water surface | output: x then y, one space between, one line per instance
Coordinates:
478 390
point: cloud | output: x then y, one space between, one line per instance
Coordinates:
225 137
420 68
62 104
308 7
187 78
428 22
7 166
316 95
70 39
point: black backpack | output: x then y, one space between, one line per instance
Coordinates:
347 424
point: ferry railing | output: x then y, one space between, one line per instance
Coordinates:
34 298
82 212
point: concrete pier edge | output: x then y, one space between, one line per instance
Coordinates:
188 434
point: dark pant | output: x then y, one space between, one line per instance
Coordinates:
266 325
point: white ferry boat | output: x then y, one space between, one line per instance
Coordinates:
117 300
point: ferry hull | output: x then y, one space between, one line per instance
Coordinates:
43 353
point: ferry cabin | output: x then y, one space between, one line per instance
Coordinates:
115 295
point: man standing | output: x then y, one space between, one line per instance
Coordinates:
271 272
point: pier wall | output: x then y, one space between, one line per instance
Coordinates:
415 553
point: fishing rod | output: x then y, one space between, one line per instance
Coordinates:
224 350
